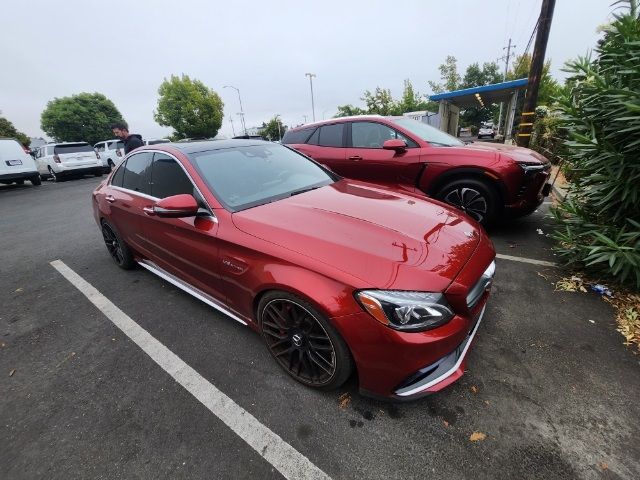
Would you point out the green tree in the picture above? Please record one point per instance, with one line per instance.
(379, 102)
(448, 75)
(82, 117)
(273, 129)
(9, 131)
(190, 107)
(549, 88)
(600, 112)
(476, 76)
(349, 111)
(412, 101)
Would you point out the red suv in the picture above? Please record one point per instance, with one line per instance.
(336, 275)
(488, 181)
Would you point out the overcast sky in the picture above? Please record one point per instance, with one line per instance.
(124, 50)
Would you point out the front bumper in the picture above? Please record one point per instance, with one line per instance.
(531, 193)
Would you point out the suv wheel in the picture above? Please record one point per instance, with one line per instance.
(303, 342)
(53, 175)
(474, 197)
(35, 180)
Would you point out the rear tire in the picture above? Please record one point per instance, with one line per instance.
(56, 178)
(119, 251)
(36, 181)
(475, 197)
(303, 342)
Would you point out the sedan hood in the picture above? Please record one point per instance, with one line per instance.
(387, 240)
(519, 154)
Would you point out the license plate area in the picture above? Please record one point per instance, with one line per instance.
(13, 163)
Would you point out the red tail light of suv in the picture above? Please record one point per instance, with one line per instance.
(487, 181)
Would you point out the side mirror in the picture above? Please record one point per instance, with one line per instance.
(176, 206)
(396, 144)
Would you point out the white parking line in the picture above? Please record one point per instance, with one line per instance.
(286, 459)
(526, 260)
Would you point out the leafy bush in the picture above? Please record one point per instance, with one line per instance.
(547, 136)
(600, 113)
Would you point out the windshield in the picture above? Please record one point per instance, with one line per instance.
(245, 177)
(428, 133)
(72, 148)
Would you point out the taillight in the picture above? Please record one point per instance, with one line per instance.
(119, 153)
(56, 158)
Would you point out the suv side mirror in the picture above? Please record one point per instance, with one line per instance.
(176, 206)
(395, 144)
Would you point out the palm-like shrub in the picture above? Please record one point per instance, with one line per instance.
(600, 111)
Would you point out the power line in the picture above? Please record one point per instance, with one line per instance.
(526, 50)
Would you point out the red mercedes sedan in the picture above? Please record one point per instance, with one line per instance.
(488, 181)
(336, 275)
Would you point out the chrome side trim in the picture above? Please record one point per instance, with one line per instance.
(182, 285)
(423, 386)
(133, 192)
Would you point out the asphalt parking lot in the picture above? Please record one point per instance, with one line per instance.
(549, 383)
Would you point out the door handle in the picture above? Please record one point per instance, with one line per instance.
(110, 198)
(149, 211)
(355, 157)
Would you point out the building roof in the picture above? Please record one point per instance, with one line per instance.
(486, 94)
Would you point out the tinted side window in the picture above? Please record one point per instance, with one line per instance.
(331, 135)
(136, 173)
(373, 135)
(313, 140)
(118, 176)
(298, 136)
(168, 178)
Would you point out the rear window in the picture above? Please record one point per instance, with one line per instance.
(297, 136)
(10, 148)
(72, 148)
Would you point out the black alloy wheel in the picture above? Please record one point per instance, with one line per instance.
(474, 197)
(53, 175)
(468, 200)
(116, 248)
(303, 342)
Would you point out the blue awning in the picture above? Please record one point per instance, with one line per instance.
(495, 93)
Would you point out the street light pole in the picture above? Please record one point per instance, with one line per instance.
(279, 132)
(232, 127)
(313, 108)
(244, 127)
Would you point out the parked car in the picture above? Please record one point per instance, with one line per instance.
(486, 131)
(16, 165)
(487, 181)
(58, 160)
(336, 275)
(156, 141)
(111, 153)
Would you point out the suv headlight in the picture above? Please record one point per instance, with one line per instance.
(531, 167)
(406, 311)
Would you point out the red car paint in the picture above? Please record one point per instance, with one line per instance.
(323, 245)
(425, 168)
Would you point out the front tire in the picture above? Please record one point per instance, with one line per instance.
(303, 342)
(119, 251)
(474, 197)
(36, 181)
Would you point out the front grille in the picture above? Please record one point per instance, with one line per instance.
(482, 285)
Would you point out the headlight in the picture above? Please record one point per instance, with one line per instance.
(406, 311)
(532, 167)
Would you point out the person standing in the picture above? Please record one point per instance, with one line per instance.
(131, 140)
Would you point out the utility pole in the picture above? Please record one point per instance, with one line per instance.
(244, 127)
(535, 72)
(313, 108)
(504, 77)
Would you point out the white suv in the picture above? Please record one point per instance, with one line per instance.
(16, 165)
(57, 160)
(111, 152)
